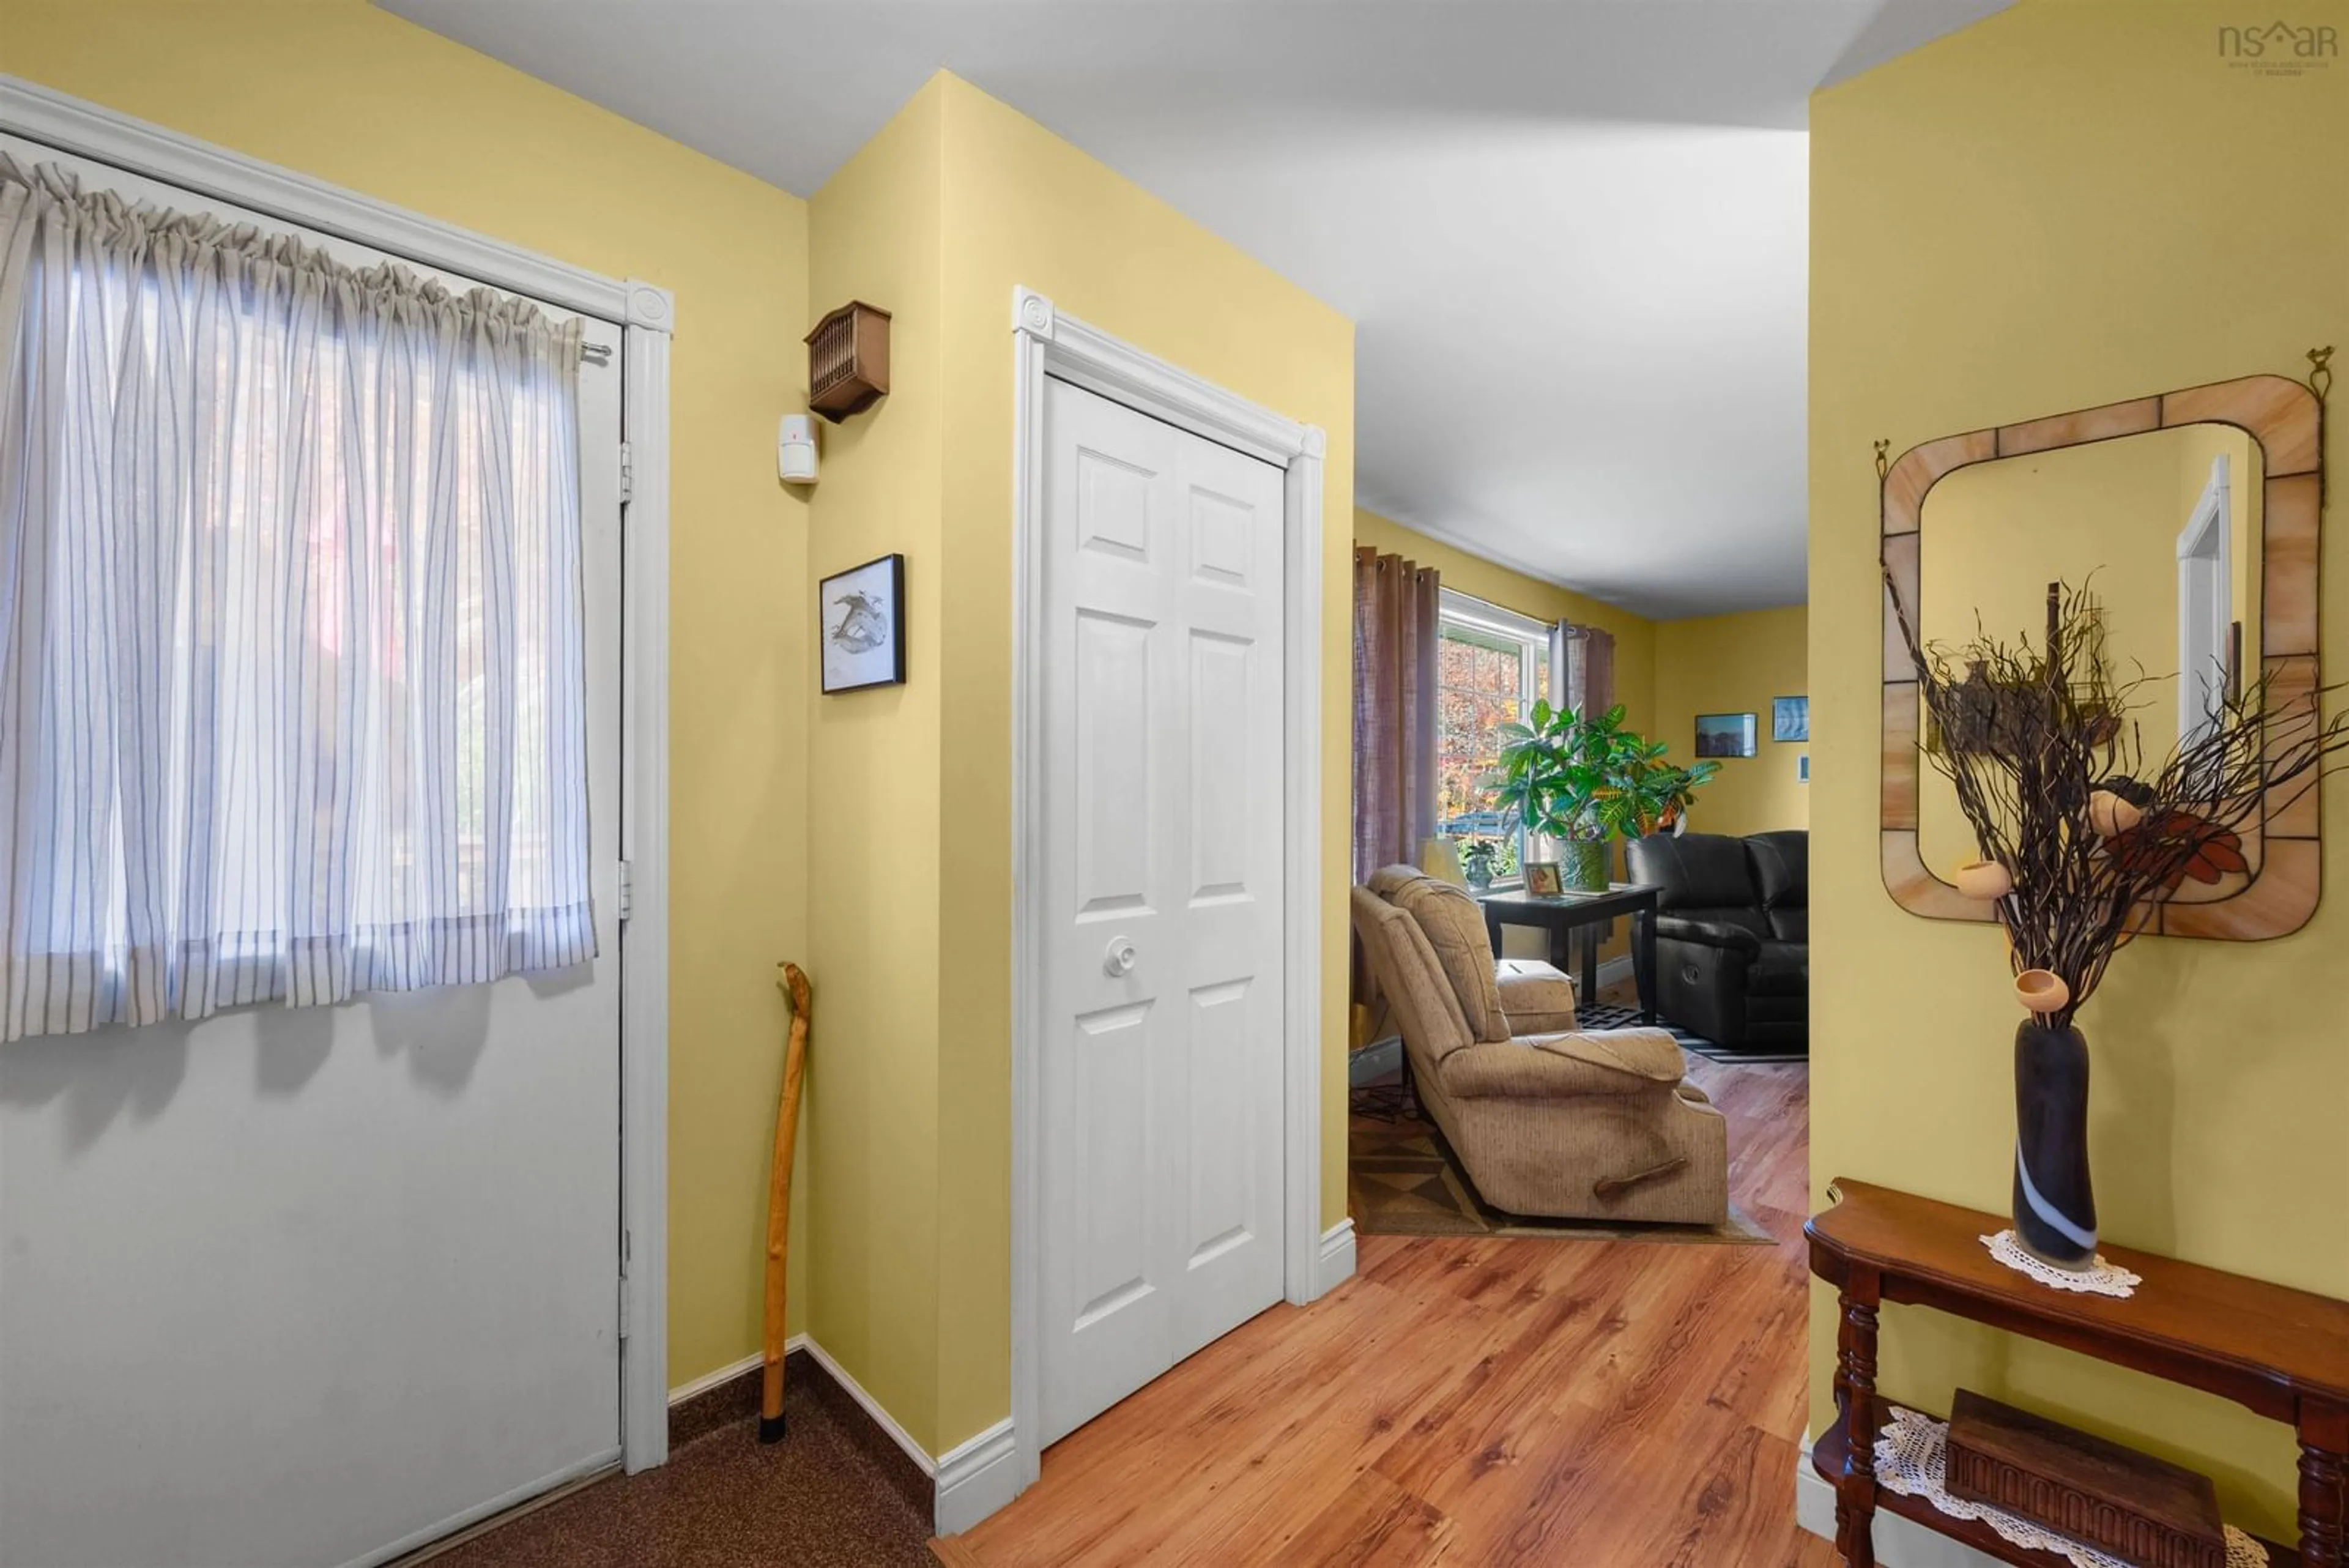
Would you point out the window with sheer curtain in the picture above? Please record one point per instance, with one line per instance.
(292, 653)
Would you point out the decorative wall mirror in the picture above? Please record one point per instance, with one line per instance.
(2193, 518)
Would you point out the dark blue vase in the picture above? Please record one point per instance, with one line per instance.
(2055, 1208)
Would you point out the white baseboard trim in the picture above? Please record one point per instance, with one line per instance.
(727, 1374)
(1333, 1264)
(1616, 970)
(974, 1479)
(871, 1406)
(1900, 1542)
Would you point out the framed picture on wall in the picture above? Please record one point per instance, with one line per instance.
(861, 616)
(1725, 734)
(1803, 773)
(1790, 718)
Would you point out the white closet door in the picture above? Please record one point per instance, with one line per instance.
(1162, 1082)
(294, 1288)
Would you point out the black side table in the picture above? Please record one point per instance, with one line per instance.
(1585, 916)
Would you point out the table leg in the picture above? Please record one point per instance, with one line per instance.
(1854, 1395)
(1643, 963)
(1590, 935)
(1493, 928)
(2323, 1438)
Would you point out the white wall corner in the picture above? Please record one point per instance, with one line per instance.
(1333, 1266)
(1315, 444)
(1900, 1542)
(977, 1477)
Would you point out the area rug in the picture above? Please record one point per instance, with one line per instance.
(1613, 1015)
(1402, 1179)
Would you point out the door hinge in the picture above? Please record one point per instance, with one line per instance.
(628, 472)
(628, 1245)
(627, 890)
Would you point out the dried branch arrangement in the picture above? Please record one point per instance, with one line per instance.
(2079, 837)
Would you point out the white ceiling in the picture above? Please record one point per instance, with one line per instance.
(1573, 235)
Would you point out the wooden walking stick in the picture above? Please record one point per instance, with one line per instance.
(794, 983)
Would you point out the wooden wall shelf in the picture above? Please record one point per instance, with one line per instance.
(2281, 1353)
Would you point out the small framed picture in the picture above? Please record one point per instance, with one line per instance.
(1543, 880)
(1725, 734)
(1790, 718)
(860, 615)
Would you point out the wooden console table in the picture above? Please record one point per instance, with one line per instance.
(2281, 1353)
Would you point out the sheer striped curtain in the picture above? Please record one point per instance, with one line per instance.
(292, 659)
(1581, 667)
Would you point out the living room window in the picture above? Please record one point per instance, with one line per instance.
(1491, 664)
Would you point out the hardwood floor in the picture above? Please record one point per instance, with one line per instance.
(1472, 1401)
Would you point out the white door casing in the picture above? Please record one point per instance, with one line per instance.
(1051, 345)
(1161, 1058)
(2205, 604)
(329, 1302)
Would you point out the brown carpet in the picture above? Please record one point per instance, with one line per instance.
(1402, 1179)
(820, 1499)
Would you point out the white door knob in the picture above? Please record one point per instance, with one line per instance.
(1121, 957)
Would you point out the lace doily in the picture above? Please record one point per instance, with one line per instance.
(1911, 1456)
(2100, 1279)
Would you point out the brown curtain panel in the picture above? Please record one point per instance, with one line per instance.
(1395, 604)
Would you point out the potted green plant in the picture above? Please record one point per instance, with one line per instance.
(1580, 779)
(1476, 858)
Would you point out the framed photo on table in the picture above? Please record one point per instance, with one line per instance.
(1543, 879)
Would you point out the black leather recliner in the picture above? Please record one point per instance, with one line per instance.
(1732, 935)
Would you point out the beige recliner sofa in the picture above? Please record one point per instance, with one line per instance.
(1547, 1119)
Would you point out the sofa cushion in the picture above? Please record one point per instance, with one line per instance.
(1703, 877)
(1537, 998)
(1558, 1067)
(1782, 969)
(1782, 871)
(1454, 928)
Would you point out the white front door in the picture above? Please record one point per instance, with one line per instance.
(1161, 1143)
(292, 1288)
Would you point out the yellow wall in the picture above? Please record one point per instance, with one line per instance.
(2045, 212)
(1736, 664)
(957, 201)
(875, 783)
(353, 95)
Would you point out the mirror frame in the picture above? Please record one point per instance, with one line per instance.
(2287, 420)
